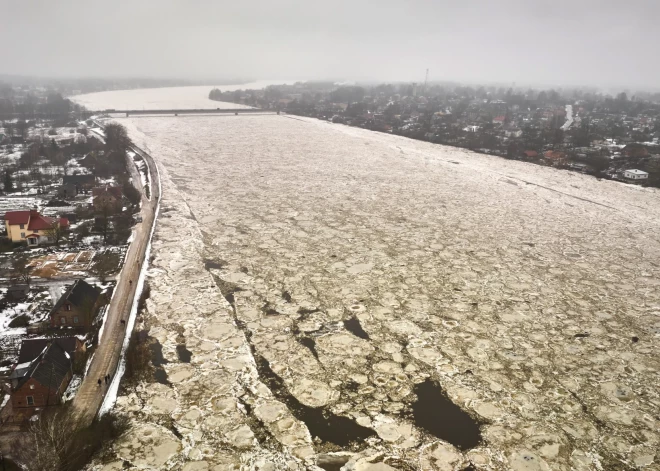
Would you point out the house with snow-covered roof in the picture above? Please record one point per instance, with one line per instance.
(635, 174)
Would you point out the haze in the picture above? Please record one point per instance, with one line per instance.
(540, 42)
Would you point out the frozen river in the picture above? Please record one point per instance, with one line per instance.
(315, 288)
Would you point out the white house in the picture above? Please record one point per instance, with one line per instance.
(634, 174)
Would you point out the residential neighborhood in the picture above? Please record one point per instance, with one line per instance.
(69, 202)
(612, 137)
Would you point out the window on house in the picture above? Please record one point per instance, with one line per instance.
(62, 320)
(22, 235)
(30, 400)
(32, 386)
(75, 319)
(67, 307)
(36, 231)
(22, 226)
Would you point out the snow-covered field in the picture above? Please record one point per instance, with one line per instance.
(361, 265)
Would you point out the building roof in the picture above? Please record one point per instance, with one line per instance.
(39, 222)
(34, 220)
(49, 368)
(77, 179)
(31, 348)
(636, 171)
(17, 217)
(77, 294)
(554, 155)
(113, 191)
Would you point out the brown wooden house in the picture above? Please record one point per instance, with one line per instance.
(77, 307)
(41, 382)
(107, 197)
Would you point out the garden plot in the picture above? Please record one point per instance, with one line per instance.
(63, 264)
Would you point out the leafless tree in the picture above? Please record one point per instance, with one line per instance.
(56, 442)
(105, 209)
(56, 232)
(21, 270)
(45, 443)
(105, 265)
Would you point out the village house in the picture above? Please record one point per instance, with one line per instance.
(77, 307)
(73, 185)
(107, 197)
(634, 174)
(41, 382)
(31, 227)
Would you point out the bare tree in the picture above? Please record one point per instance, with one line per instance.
(55, 232)
(21, 270)
(105, 209)
(105, 265)
(57, 442)
(45, 442)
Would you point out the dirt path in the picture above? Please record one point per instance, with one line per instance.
(90, 396)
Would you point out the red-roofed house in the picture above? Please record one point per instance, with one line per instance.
(31, 227)
(555, 156)
(499, 119)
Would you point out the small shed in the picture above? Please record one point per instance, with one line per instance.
(635, 174)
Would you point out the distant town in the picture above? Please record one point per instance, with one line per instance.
(613, 137)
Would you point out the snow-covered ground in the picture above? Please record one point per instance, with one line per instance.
(72, 389)
(530, 295)
(569, 118)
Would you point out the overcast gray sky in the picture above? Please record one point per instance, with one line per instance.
(577, 42)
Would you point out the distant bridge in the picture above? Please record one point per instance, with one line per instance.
(177, 112)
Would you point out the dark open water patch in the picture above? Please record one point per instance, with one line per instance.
(269, 310)
(183, 353)
(310, 343)
(322, 423)
(160, 375)
(208, 264)
(434, 412)
(353, 326)
(158, 360)
(304, 312)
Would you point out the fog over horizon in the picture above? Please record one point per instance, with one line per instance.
(559, 43)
